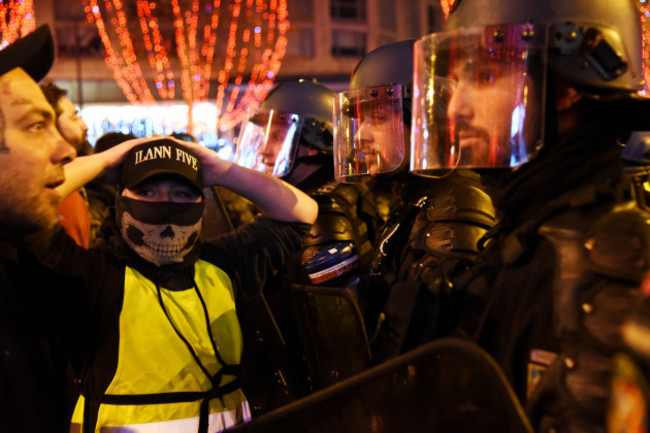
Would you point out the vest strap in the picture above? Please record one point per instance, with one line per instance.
(169, 397)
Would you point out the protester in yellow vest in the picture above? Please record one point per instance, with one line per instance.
(162, 346)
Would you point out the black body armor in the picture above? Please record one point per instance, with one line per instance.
(553, 296)
(346, 213)
(339, 245)
(601, 258)
(437, 237)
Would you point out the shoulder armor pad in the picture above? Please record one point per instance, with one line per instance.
(330, 227)
(594, 246)
(619, 243)
(462, 200)
(615, 241)
(336, 197)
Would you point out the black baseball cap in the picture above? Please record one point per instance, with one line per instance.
(34, 53)
(163, 156)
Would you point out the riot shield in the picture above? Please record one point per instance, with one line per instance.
(332, 333)
(448, 385)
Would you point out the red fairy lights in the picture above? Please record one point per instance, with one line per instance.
(16, 20)
(644, 9)
(237, 45)
(446, 6)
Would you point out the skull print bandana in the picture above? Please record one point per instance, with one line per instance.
(162, 233)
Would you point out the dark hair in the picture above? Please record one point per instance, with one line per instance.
(111, 139)
(53, 93)
(184, 136)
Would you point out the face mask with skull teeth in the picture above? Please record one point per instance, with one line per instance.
(157, 241)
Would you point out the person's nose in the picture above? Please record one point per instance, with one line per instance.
(267, 148)
(363, 137)
(63, 151)
(168, 232)
(461, 102)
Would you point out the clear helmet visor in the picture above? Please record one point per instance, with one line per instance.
(478, 98)
(268, 141)
(368, 132)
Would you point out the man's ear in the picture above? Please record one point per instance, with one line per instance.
(566, 97)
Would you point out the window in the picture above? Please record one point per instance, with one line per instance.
(67, 10)
(412, 17)
(348, 43)
(387, 14)
(386, 39)
(74, 40)
(300, 43)
(301, 10)
(349, 9)
(431, 19)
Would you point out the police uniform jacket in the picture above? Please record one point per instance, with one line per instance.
(558, 277)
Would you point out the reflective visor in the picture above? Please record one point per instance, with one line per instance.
(368, 131)
(268, 142)
(478, 98)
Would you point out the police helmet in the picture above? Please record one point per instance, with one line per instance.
(596, 44)
(387, 64)
(293, 114)
(481, 86)
(369, 118)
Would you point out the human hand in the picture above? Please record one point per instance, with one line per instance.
(214, 167)
(111, 159)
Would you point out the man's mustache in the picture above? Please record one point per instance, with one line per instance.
(470, 154)
(463, 129)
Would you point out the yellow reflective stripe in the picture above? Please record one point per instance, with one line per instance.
(218, 422)
(152, 359)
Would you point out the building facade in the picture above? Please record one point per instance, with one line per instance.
(325, 40)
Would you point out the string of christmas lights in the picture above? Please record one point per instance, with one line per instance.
(644, 8)
(239, 44)
(16, 20)
(446, 6)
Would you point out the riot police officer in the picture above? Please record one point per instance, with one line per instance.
(290, 136)
(547, 90)
(433, 225)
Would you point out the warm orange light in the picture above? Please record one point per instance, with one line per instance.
(16, 20)
(644, 9)
(251, 44)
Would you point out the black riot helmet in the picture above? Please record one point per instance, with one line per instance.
(484, 95)
(369, 118)
(596, 45)
(388, 64)
(293, 120)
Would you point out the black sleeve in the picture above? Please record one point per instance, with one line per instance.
(99, 272)
(56, 250)
(254, 252)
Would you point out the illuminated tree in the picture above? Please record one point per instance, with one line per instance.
(228, 51)
(16, 20)
(446, 6)
(644, 9)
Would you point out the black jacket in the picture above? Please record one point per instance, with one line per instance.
(36, 337)
(548, 294)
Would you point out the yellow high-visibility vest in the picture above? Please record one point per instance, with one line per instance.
(155, 366)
